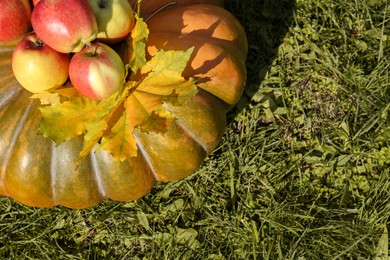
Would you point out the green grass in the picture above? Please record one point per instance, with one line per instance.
(302, 171)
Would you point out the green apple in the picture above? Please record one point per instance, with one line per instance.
(37, 67)
(115, 19)
(97, 71)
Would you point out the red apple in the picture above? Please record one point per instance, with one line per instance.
(37, 67)
(65, 25)
(15, 16)
(97, 71)
(35, 2)
(115, 19)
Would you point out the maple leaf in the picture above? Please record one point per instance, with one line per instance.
(120, 141)
(135, 45)
(56, 96)
(47, 98)
(144, 105)
(80, 115)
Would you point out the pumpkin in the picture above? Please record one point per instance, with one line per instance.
(36, 172)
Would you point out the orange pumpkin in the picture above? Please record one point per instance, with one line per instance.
(37, 173)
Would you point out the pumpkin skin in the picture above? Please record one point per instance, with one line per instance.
(36, 172)
(149, 7)
(220, 46)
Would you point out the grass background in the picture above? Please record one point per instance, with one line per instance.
(302, 171)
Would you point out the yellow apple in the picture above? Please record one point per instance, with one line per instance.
(37, 67)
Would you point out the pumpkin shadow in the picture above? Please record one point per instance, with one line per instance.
(266, 23)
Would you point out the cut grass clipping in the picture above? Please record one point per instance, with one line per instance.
(302, 171)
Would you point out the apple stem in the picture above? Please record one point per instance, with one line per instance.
(38, 43)
(89, 45)
(102, 4)
(93, 52)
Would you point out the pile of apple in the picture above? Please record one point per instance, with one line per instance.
(71, 39)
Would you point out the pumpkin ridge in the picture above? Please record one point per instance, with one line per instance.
(53, 172)
(128, 180)
(146, 157)
(97, 173)
(192, 135)
(161, 152)
(206, 129)
(10, 94)
(9, 80)
(14, 138)
(8, 91)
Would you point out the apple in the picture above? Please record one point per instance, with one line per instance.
(35, 2)
(115, 19)
(97, 71)
(65, 25)
(37, 67)
(15, 16)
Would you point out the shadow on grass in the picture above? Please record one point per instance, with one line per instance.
(266, 23)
